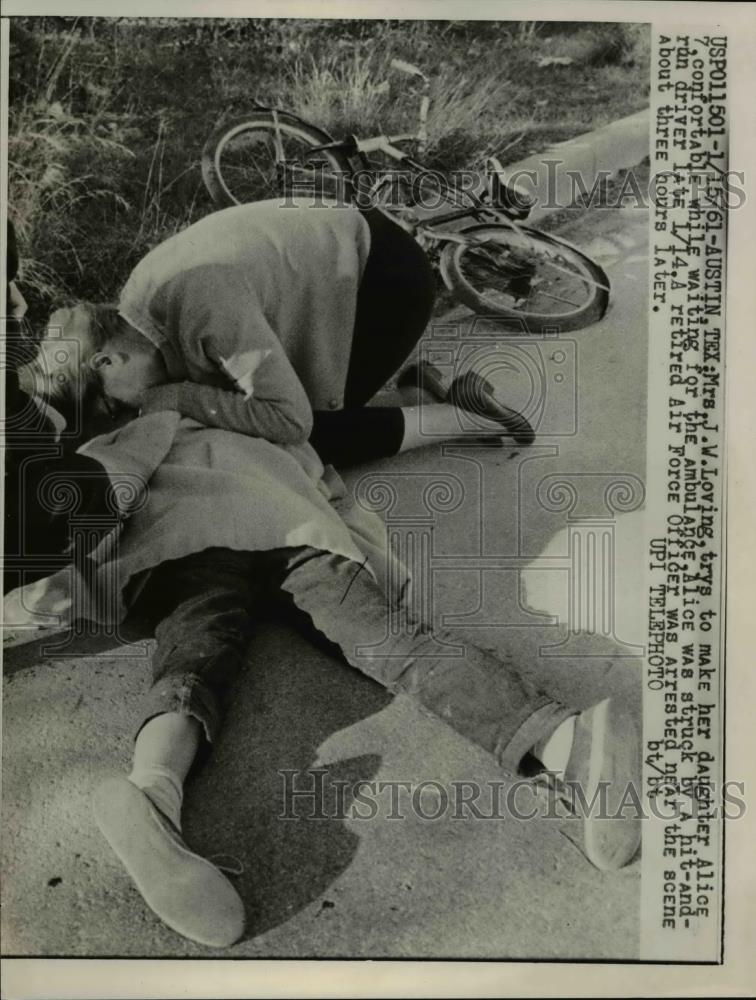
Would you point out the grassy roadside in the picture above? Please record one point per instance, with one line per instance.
(108, 115)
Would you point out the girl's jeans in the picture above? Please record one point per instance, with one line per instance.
(207, 602)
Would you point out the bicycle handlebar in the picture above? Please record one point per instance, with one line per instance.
(382, 142)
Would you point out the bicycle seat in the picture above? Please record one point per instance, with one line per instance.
(509, 197)
(347, 145)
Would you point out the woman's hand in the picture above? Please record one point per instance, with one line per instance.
(160, 397)
(241, 368)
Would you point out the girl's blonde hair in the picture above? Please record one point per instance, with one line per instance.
(82, 381)
(79, 398)
(105, 322)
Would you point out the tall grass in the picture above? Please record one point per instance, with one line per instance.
(91, 178)
(108, 116)
(55, 162)
(340, 89)
(363, 93)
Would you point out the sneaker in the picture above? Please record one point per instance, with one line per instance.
(188, 893)
(601, 786)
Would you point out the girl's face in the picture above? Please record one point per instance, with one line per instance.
(127, 366)
(60, 354)
(127, 369)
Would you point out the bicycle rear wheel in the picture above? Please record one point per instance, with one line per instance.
(535, 280)
(240, 162)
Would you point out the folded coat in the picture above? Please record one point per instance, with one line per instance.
(180, 487)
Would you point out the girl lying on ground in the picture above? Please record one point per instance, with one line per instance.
(219, 521)
(35, 530)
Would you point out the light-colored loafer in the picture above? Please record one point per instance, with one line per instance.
(605, 763)
(188, 893)
(600, 793)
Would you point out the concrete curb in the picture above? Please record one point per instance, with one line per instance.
(621, 144)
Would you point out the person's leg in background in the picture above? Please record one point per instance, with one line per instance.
(205, 603)
(36, 531)
(394, 305)
(483, 697)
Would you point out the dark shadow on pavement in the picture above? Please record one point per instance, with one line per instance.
(294, 695)
(291, 698)
(85, 639)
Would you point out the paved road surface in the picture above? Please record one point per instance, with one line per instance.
(343, 886)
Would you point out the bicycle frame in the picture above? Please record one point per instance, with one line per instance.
(351, 147)
(472, 206)
(475, 206)
(355, 149)
(346, 170)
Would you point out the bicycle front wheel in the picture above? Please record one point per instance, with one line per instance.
(241, 161)
(537, 281)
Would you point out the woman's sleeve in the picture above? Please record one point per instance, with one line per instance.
(220, 328)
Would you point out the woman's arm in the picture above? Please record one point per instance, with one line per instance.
(220, 328)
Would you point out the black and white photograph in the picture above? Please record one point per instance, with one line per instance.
(365, 479)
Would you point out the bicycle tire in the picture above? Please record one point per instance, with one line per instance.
(226, 192)
(483, 303)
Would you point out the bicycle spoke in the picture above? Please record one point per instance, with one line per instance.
(574, 274)
(556, 298)
(263, 176)
(520, 276)
(550, 258)
(493, 269)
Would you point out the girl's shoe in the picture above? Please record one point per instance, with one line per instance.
(601, 788)
(188, 893)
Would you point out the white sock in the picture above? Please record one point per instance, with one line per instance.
(555, 752)
(162, 786)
